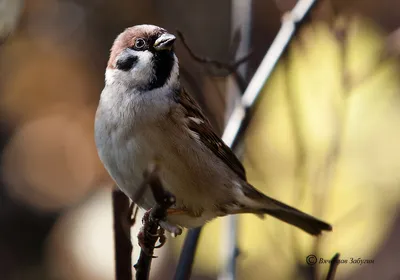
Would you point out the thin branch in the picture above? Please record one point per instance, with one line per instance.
(292, 22)
(124, 216)
(186, 259)
(150, 229)
(122, 241)
(231, 68)
(238, 122)
(333, 267)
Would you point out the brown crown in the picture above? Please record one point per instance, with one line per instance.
(127, 39)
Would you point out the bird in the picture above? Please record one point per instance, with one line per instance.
(146, 116)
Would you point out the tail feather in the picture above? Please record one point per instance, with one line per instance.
(299, 219)
(288, 214)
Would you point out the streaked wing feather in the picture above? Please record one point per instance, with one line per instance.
(210, 139)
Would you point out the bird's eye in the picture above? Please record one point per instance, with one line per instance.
(140, 43)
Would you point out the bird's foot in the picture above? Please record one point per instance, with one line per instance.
(144, 235)
(142, 241)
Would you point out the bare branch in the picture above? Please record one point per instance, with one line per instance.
(123, 246)
(124, 218)
(333, 267)
(150, 229)
(185, 263)
(231, 68)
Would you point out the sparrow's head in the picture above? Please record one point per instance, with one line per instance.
(142, 58)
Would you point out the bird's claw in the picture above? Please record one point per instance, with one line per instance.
(142, 235)
(142, 243)
(161, 238)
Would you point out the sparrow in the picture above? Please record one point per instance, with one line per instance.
(145, 116)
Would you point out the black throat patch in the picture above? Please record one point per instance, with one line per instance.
(163, 61)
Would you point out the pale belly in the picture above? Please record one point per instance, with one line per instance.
(188, 170)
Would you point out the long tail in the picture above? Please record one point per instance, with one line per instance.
(286, 213)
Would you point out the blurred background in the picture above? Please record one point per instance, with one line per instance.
(324, 136)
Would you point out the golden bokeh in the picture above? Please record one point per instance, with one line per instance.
(323, 138)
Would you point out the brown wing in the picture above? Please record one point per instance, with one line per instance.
(199, 124)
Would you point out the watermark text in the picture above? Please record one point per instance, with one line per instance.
(313, 260)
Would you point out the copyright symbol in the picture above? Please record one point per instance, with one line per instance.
(311, 259)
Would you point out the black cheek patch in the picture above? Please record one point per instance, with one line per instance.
(126, 61)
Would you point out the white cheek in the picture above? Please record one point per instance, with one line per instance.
(141, 74)
(143, 70)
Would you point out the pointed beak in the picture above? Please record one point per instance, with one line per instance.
(164, 42)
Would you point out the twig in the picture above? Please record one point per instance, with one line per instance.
(122, 241)
(185, 263)
(124, 216)
(333, 267)
(292, 21)
(205, 60)
(231, 68)
(150, 229)
(237, 123)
